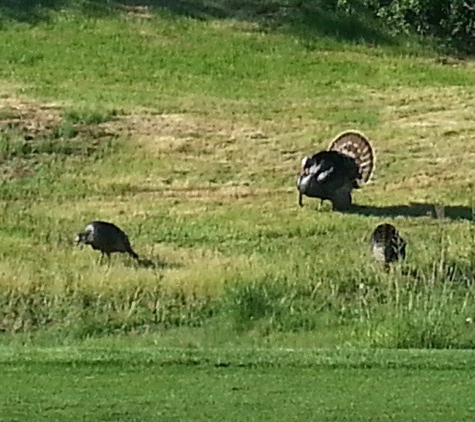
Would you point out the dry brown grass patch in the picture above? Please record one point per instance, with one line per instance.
(29, 117)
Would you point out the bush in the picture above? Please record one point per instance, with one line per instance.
(451, 21)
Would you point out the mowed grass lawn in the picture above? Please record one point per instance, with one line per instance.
(145, 384)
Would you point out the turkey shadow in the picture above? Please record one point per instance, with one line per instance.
(415, 209)
(152, 264)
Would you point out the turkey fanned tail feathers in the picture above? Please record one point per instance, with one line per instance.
(387, 245)
(355, 145)
(333, 174)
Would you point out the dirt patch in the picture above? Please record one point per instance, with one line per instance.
(210, 194)
(447, 108)
(16, 169)
(30, 130)
(154, 127)
(28, 118)
(237, 148)
(42, 119)
(33, 120)
(137, 12)
(182, 138)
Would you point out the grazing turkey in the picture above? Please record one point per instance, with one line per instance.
(333, 174)
(387, 245)
(105, 237)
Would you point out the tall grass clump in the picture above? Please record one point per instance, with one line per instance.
(429, 306)
(431, 311)
(402, 309)
(274, 303)
(14, 145)
(81, 312)
(89, 116)
(405, 308)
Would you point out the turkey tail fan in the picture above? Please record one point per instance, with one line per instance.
(357, 146)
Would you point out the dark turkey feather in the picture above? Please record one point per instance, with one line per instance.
(333, 174)
(106, 237)
(387, 245)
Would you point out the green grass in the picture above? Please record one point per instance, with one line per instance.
(188, 134)
(186, 128)
(174, 384)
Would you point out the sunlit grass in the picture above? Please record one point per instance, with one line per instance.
(188, 134)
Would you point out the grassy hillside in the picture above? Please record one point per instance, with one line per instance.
(188, 133)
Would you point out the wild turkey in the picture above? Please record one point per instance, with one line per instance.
(387, 245)
(333, 174)
(107, 238)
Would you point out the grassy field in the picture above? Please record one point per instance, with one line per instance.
(144, 384)
(185, 125)
(188, 133)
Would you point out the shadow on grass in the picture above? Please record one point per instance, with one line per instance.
(153, 263)
(29, 11)
(455, 212)
(308, 20)
(35, 12)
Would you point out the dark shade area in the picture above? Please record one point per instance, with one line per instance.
(452, 212)
(154, 263)
(308, 20)
(29, 11)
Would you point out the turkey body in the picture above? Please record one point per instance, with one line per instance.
(333, 174)
(329, 175)
(107, 238)
(387, 245)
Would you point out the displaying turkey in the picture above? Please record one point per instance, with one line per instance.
(333, 174)
(387, 245)
(107, 238)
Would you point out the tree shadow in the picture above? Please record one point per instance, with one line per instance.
(29, 11)
(308, 20)
(414, 209)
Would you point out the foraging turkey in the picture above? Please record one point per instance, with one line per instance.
(107, 238)
(333, 174)
(387, 245)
